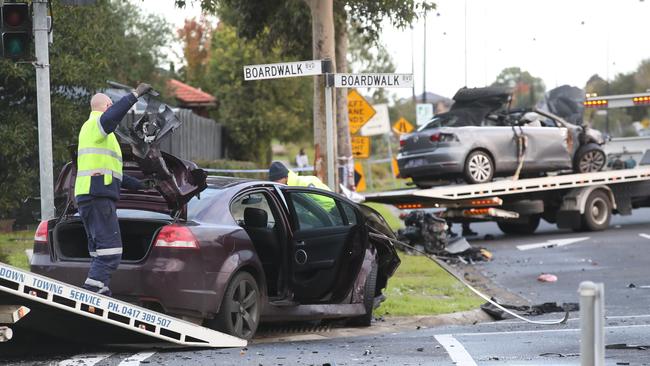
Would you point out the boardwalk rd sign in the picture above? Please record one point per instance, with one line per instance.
(283, 70)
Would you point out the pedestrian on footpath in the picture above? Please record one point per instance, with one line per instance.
(98, 182)
(302, 161)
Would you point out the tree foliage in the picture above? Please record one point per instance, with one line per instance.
(195, 36)
(254, 112)
(527, 89)
(109, 40)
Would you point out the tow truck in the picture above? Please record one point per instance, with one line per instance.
(580, 202)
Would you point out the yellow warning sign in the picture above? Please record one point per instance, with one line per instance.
(361, 147)
(402, 126)
(393, 162)
(359, 111)
(358, 171)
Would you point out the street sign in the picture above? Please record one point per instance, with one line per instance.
(358, 172)
(423, 113)
(283, 70)
(393, 163)
(359, 111)
(402, 126)
(379, 124)
(360, 147)
(373, 80)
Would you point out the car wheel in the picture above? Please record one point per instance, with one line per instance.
(368, 299)
(598, 212)
(240, 308)
(520, 228)
(589, 158)
(479, 167)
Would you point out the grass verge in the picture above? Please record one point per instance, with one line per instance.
(13, 245)
(421, 287)
(391, 218)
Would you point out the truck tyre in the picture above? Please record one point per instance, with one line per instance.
(368, 299)
(239, 314)
(598, 211)
(520, 228)
(589, 158)
(479, 167)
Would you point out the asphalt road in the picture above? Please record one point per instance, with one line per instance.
(617, 257)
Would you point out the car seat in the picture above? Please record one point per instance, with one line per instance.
(265, 241)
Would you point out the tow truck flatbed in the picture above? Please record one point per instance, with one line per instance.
(66, 311)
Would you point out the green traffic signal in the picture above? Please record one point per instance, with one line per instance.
(15, 45)
(16, 30)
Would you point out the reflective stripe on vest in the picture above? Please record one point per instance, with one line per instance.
(98, 153)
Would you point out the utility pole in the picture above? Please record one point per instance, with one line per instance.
(424, 62)
(42, 65)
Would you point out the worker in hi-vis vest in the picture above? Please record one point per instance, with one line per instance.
(98, 182)
(281, 174)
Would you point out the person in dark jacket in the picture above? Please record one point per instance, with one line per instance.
(97, 185)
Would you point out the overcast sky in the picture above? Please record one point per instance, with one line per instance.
(561, 41)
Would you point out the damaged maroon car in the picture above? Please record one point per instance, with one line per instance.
(227, 252)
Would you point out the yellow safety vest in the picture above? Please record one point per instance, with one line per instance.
(294, 179)
(98, 153)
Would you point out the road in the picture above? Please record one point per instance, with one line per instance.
(616, 257)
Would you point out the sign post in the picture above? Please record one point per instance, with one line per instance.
(329, 126)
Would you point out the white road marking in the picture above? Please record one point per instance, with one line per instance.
(88, 359)
(552, 243)
(134, 360)
(456, 351)
(564, 330)
(644, 236)
(608, 317)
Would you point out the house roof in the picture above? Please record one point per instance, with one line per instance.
(189, 95)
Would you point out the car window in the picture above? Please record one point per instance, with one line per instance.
(350, 213)
(255, 200)
(443, 120)
(203, 201)
(314, 210)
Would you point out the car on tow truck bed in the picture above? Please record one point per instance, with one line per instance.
(228, 252)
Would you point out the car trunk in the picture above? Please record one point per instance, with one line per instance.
(138, 235)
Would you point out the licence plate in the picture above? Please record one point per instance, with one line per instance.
(415, 163)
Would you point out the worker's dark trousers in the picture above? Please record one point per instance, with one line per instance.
(104, 242)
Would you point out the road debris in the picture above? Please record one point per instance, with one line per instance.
(547, 277)
(539, 309)
(631, 285)
(557, 354)
(627, 346)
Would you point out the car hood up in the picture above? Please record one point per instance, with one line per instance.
(472, 105)
(177, 180)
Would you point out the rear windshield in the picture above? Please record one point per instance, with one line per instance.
(198, 204)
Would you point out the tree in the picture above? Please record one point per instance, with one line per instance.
(527, 89)
(253, 113)
(287, 22)
(195, 36)
(118, 44)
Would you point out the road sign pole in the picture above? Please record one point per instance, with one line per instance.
(42, 65)
(329, 125)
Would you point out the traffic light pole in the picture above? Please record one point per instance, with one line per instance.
(42, 65)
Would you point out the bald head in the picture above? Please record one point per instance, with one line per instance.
(100, 102)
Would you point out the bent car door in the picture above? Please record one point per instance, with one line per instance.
(548, 145)
(326, 248)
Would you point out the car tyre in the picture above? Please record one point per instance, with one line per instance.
(598, 212)
(240, 308)
(479, 167)
(520, 228)
(368, 299)
(589, 158)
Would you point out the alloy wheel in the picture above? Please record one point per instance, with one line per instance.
(244, 309)
(480, 167)
(592, 161)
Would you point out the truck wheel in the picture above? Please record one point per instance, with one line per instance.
(598, 211)
(520, 228)
(240, 308)
(589, 158)
(479, 167)
(368, 299)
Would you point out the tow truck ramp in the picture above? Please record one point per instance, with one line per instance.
(62, 310)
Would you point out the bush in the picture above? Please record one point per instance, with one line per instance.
(232, 164)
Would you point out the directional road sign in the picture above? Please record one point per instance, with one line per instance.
(361, 147)
(359, 111)
(283, 70)
(358, 172)
(373, 80)
(379, 124)
(402, 126)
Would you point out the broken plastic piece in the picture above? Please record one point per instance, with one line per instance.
(457, 246)
(547, 277)
(486, 253)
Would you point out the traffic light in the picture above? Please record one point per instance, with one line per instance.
(16, 31)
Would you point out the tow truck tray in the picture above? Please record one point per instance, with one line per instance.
(67, 311)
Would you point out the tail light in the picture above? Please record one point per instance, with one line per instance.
(41, 233)
(176, 236)
(435, 137)
(402, 141)
(443, 137)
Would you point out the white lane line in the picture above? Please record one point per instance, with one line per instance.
(552, 243)
(608, 317)
(644, 236)
(548, 330)
(134, 360)
(88, 359)
(456, 351)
